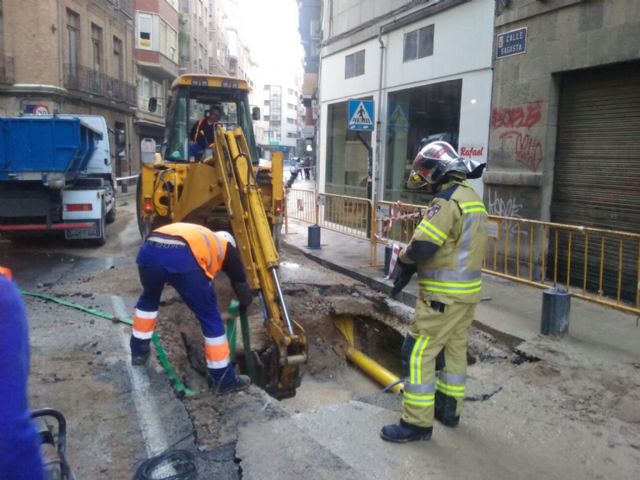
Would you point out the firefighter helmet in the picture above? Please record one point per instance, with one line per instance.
(436, 161)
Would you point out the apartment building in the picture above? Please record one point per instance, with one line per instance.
(156, 56)
(72, 56)
(426, 64)
(280, 111)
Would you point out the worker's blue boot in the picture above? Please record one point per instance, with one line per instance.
(140, 351)
(239, 383)
(225, 380)
(404, 432)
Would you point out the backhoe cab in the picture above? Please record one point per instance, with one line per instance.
(224, 187)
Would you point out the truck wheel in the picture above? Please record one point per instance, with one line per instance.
(111, 216)
(102, 239)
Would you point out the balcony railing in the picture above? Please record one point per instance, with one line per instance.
(6, 70)
(84, 79)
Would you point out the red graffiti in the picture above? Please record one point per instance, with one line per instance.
(520, 116)
(528, 149)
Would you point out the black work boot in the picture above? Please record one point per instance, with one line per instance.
(140, 359)
(404, 432)
(241, 382)
(445, 410)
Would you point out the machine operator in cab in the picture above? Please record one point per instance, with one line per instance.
(202, 133)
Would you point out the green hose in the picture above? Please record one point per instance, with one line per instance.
(162, 356)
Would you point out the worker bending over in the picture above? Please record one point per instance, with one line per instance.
(446, 251)
(188, 257)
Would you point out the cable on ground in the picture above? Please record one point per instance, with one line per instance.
(162, 356)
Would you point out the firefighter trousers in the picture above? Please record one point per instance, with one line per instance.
(432, 331)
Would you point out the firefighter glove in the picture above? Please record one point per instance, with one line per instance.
(401, 276)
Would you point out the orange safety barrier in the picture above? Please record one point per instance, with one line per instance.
(597, 265)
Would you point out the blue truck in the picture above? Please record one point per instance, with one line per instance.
(56, 175)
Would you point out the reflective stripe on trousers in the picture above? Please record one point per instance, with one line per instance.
(450, 384)
(217, 351)
(415, 392)
(144, 323)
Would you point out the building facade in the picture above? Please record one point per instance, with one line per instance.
(280, 112)
(565, 127)
(310, 28)
(82, 63)
(156, 55)
(427, 67)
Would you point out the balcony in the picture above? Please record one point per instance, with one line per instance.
(87, 80)
(6, 70)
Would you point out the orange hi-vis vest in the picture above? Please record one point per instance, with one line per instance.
(207, 248)
(5, 272)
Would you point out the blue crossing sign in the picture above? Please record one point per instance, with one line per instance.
(361, 115)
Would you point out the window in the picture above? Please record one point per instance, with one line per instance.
(354, 64)
(118, 61)
(73, 39)
(418, 44)
(266, 103)
(290, 91)
(145, 26)
(291, 121)
(266, 118)
(146, 89)
(96, 42)
(291, 106)
(431, 112)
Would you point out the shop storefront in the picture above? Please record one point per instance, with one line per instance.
(347, 157)
(416, 116)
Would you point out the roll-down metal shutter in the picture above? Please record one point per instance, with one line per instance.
(597, 166)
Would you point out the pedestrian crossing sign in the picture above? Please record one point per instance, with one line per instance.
(361, 115)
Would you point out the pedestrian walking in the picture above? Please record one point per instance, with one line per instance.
(19, 441)
(446, 251)
(307, 167)
(188, 257)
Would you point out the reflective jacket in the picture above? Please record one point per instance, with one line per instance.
(208, 248)
(456, 222)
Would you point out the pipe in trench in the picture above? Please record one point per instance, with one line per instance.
(373, 369)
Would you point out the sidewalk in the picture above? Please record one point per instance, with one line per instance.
(512, 311)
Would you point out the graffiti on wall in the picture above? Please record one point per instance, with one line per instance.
(501, 207)
(528, 148)
(520, 116)
(519, 120)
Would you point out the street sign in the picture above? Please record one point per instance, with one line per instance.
(361, 115)
(399, 118)
(511, 43)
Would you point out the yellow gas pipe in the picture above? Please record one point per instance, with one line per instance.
(366, 364)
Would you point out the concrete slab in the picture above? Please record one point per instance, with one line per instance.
(280, 449)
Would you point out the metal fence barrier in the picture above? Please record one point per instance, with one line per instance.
(597, 265)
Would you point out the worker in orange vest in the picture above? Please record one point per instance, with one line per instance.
(188, 257)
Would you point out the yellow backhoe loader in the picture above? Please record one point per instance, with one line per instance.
(223, 186)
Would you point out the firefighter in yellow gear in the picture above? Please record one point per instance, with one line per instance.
(446, 252)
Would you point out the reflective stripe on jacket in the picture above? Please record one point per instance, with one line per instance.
(457, 223)
(208, 248)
